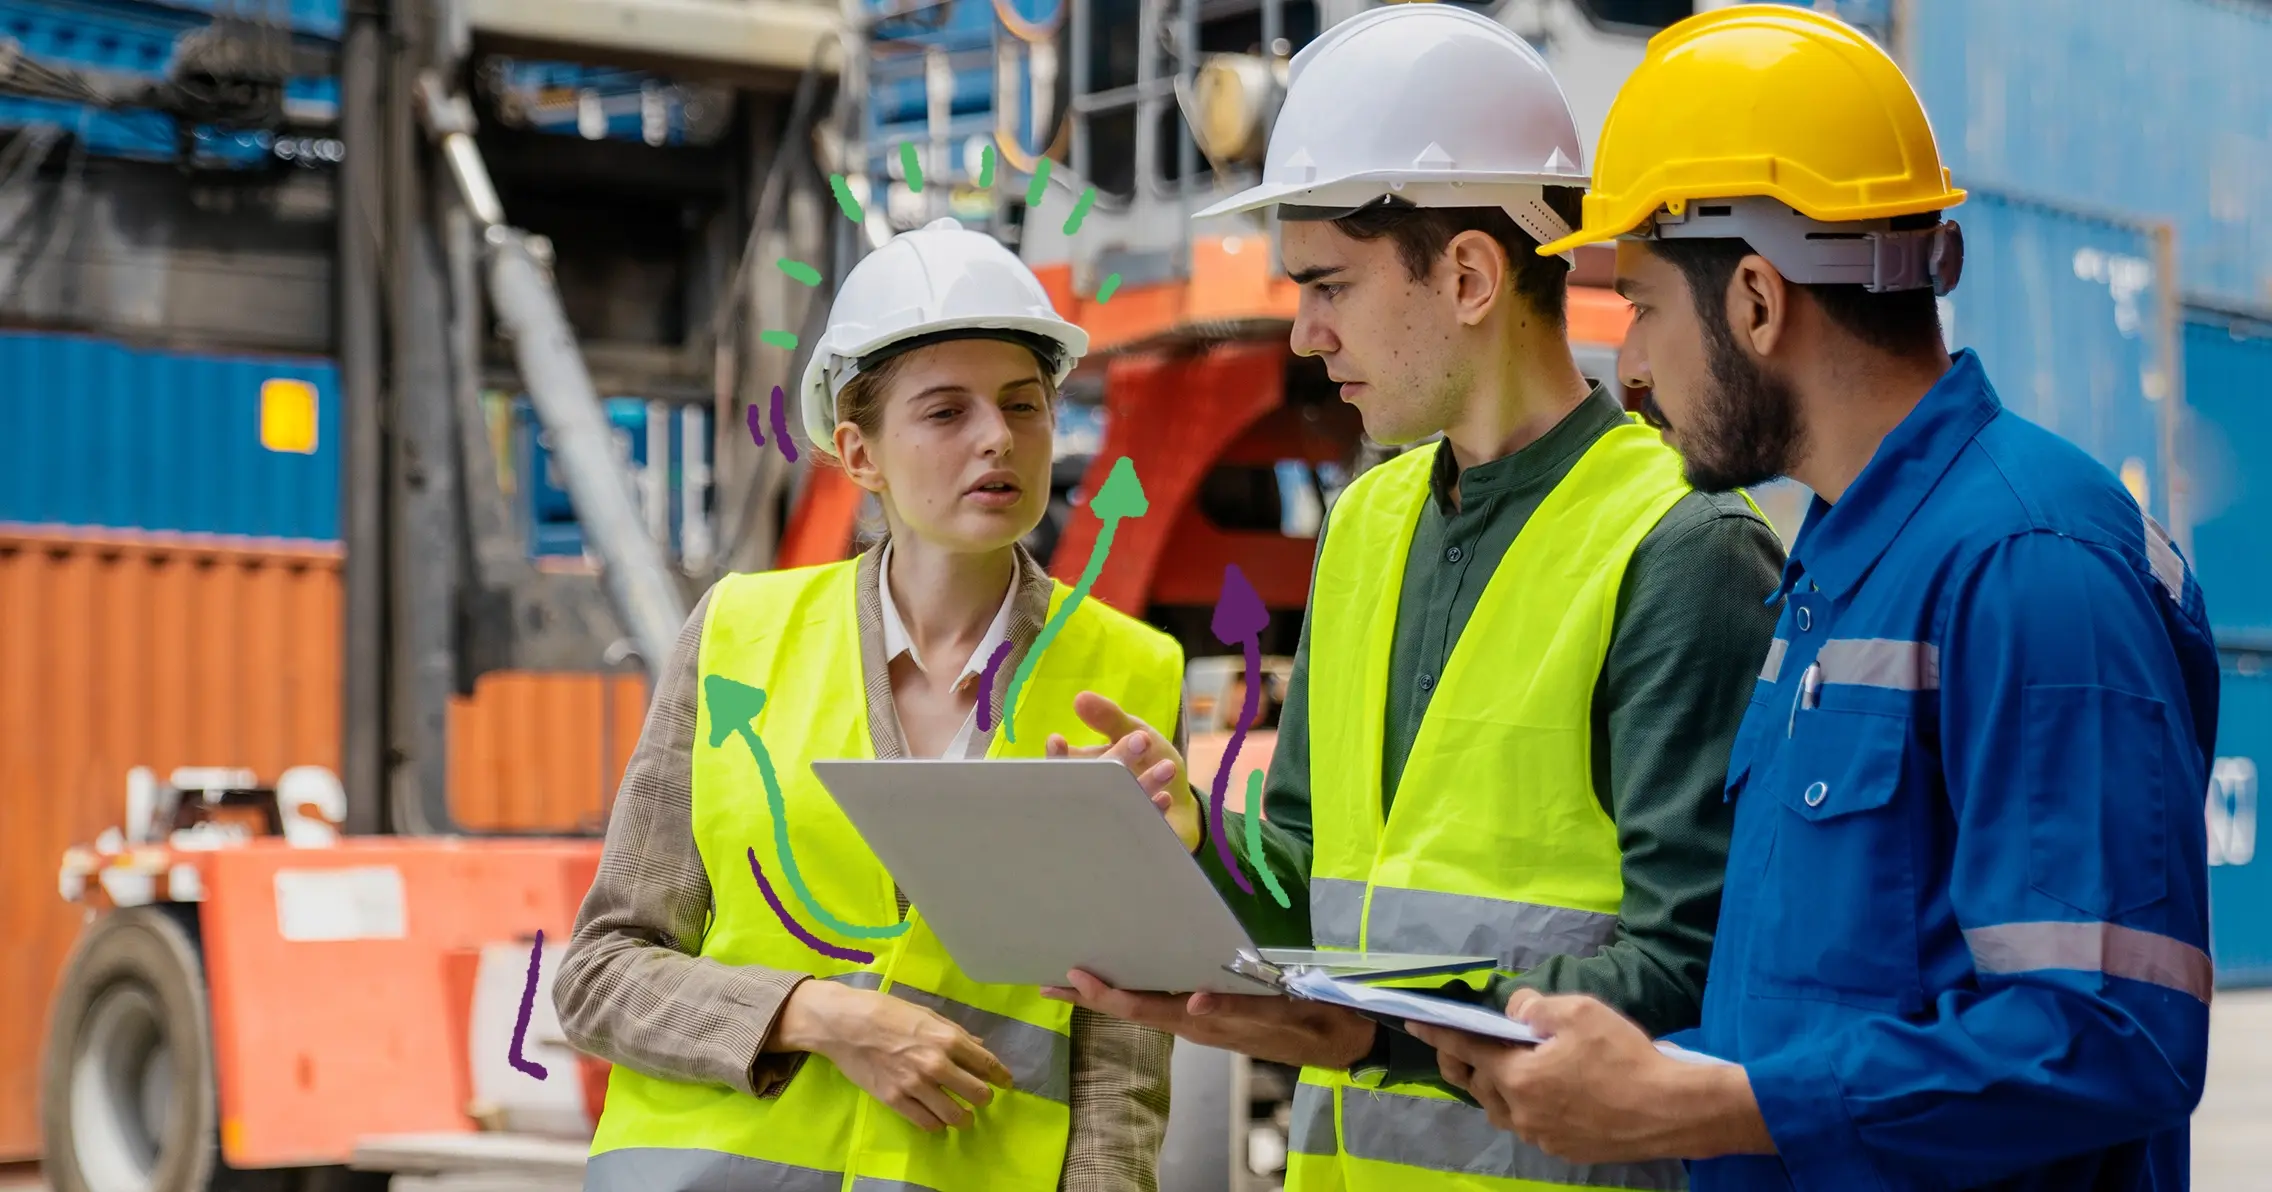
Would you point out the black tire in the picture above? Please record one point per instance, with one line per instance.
(113, 1116)
(126, 1090)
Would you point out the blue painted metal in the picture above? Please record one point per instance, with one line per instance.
(988, 46)
(2240, 874)
(2163, 110)
(100, 434)
(2067, 312)
(315, 18)
(551, 95)
(139, 40)
(2228, 463)
(548, 515)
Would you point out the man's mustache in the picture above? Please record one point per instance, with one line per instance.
(1651, 412)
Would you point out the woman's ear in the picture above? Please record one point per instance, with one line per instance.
(858, 458)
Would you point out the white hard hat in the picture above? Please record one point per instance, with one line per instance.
(1433, 105)
(933, 282)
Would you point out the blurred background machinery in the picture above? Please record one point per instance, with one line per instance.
(376, 376)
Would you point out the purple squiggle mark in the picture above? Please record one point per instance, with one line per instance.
(986, 687)
(757, 423)
(797, 929)
(781, 437)
(521, 1024)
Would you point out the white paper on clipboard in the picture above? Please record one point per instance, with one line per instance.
(1406, 1005)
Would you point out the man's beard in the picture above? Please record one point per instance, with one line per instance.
(1746, 427)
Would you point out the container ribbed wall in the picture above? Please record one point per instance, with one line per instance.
(118, 652)
(100, 433)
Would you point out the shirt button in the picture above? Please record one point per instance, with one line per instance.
(1427, 683)
(1806, 619)
(1454, 555)
(1817, 793)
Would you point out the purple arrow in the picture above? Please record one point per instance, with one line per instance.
(1240, 618)
(528, 1006)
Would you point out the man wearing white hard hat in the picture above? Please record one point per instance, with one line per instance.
(1529, 644)
(777, 1029)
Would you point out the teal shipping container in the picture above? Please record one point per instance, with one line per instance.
(96, 433)
(2160, 109)
(2075, 318)
(2228, 454)
(2240, 876)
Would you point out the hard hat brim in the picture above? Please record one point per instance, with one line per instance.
(1421, 190)
(817, 405)
(1636, 215)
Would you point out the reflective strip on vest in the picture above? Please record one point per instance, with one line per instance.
(1773, 669)
(2168, 566)
(1452, 1137)
(1881, 662)
(1312, 1130)
(1429, 922)
(2009, 949)
(671, 1169)
(1040, 1061)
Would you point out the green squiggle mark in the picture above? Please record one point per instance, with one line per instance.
(1122, 495)
(1254, 855)
(844, 200)
(804, 273)
(732, 706)
(1105, 291)
(986, 168)
(1040, 184)
(1080, 210)
(784, 340)
(914, 166)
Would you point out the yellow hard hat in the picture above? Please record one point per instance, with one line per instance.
(1763, 101)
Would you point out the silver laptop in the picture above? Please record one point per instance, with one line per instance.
(1029, 868)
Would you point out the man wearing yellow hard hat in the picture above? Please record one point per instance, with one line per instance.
(1962, 943)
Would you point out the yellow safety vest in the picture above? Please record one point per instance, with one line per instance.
(1495, 844)
(795, 635)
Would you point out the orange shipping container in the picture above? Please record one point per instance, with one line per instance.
(119, 651)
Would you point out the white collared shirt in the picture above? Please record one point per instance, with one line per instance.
(968, 742)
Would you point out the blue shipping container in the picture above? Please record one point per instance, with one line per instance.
(2069, 315)
(2161, 109)
(2228, 471)
(99, 434)
(2240, 878)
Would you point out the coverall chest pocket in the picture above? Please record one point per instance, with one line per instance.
(1839, 900)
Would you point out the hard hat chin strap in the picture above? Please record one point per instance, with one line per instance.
(1869, 253)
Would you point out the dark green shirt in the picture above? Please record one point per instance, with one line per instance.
(1693, 624)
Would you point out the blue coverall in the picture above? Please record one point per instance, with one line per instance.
(1964, 937)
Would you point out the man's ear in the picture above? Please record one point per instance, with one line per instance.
(1759, 305)
(1479, 273)
(859, 460)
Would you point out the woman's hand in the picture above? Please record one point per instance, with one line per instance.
(1148, 755)
(904, 1055)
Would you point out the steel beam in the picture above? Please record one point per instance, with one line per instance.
(363, 471)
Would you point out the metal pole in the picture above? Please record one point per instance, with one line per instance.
(1077, 44)
(363, 474)
(632, 567)
(1148, 105)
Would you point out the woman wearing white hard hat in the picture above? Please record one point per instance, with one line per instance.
(778, 1028)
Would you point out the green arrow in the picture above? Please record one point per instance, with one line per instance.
(1122, 496)
(732, 707)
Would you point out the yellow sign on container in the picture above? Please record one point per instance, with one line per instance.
(288, 416)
